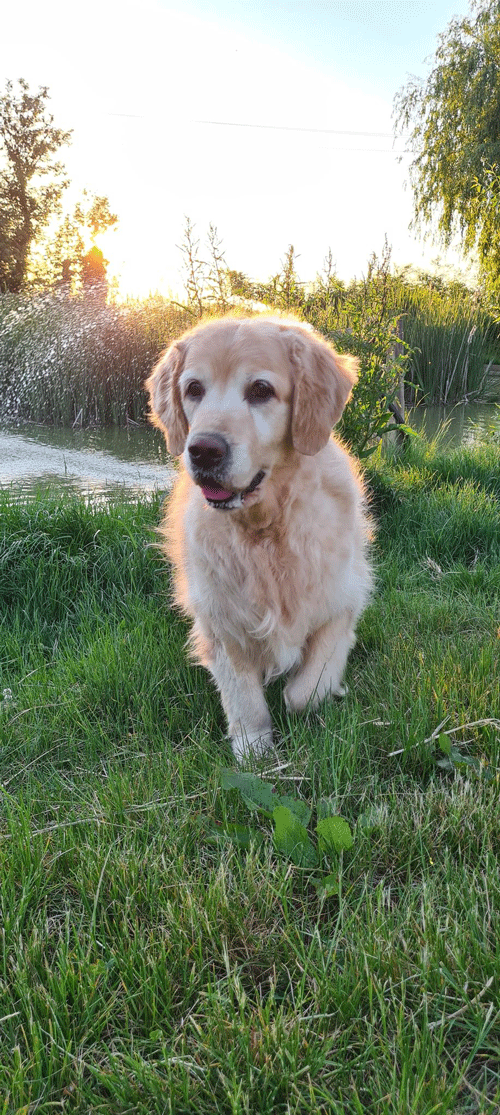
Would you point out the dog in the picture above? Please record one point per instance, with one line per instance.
(266, 527)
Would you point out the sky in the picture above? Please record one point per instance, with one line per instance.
(270, 119)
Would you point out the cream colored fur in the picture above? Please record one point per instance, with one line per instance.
(276, 584)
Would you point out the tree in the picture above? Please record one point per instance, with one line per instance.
(94, 279)
(31, 181)
(64, 258)
(454, 123)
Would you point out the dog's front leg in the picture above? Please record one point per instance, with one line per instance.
(322, 669)
(242, 696)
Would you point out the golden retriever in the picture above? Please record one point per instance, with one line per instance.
(265, 528)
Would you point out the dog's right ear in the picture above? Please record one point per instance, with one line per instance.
(165, 398)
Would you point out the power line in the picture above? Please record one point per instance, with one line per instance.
(369, 150)
(268, 127)
(291, 128)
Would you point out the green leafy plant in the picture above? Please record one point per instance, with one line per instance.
(363, 319)
(290, 817)
(456, 760)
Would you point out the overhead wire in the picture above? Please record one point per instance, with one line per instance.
(295, 128)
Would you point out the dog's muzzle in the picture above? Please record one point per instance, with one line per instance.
(209, 455)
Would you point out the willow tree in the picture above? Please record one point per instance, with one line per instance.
(453, 121)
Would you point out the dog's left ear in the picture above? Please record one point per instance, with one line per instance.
(323, 382)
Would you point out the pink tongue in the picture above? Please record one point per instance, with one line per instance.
(216, 493)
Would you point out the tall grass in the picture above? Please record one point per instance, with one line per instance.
(450, 338)
(76, 361)
(452, 341)
(147, 968)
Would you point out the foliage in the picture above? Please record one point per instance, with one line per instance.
(363, 318)
(193, 268)
(456, 760)
(62, 256)
(207, 281)
(284, 290)
(33, 253)
(290, 816)
(453, 118)
(62, 360)
(31, 183)
(217, 286)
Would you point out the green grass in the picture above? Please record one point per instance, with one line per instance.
(145, 969)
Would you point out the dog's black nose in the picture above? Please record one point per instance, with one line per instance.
(208, 451)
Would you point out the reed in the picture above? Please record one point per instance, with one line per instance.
(77, 361)
(452, 342)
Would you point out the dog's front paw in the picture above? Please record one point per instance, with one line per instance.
(252, 745)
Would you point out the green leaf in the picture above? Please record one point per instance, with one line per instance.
(384, 422)
(455, 760)
(244, 836)
(462, 761)
(327, 886)
(261, 795)
(256, 793)
(334, 834)
(300, 809)
(325, 807)
(290, 838)
(444, 743)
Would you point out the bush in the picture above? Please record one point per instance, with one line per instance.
(363, 319)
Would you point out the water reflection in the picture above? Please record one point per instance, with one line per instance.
(100, 462)
(466, 424)
(134, 461)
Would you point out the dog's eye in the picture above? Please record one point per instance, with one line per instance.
(194, 390)
(260, 391)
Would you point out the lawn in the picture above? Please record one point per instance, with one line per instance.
(148, 963)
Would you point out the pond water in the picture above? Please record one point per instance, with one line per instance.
(460, 425)
(134, 461)
(89, 462)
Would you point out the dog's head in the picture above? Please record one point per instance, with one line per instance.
(238, 396)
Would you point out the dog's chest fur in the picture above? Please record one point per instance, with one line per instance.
(261, 589)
